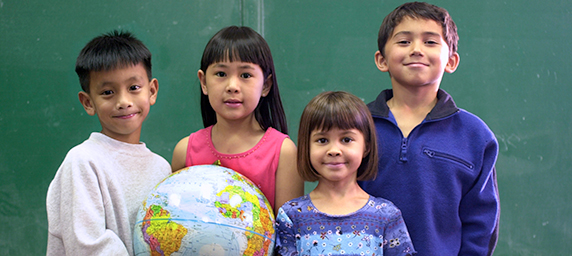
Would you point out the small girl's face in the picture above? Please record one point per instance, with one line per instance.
(234, 88)
(337, 154)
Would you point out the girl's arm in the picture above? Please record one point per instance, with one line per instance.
(180, 155)
(289, 184)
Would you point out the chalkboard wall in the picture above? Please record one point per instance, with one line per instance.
(515, 73)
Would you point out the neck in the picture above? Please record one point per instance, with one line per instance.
(421, 98)
(337, 200)
(337, 190)
(242, 126)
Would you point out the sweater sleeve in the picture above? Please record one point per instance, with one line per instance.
(480, 208)
(76, 212)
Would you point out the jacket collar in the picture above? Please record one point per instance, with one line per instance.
(445, 105)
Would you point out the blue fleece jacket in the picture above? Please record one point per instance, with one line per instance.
(442, 177)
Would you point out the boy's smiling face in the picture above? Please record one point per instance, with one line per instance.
(121, 98)
(416, 54)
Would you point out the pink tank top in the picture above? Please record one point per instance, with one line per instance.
(259, 164)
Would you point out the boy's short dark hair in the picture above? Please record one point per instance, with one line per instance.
(342, 110)
(110, 51)
(419, 10)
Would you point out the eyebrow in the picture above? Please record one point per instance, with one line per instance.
(344, 133)
(131, 79)
(426, 33)
(312, 134)
(245, 66)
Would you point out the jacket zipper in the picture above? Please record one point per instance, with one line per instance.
(403, 153)
(432, 154)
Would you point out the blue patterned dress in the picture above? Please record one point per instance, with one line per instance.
(375, 229)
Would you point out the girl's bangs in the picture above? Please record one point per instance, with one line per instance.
(235, 50)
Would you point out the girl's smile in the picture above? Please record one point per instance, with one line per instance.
(337, 154)
(233, 103)
(335, 165)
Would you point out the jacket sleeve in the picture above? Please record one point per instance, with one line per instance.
(480, 208)
(76, 213)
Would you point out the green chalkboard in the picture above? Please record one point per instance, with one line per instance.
(515, 73)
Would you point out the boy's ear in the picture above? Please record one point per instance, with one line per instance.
(203, 81)
(154, 89)
(380, 62)
(86, 102)
(267, 86)
(453, 63)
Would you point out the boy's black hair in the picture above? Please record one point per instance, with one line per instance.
(116, 49)
(419, 10)
(244, 44)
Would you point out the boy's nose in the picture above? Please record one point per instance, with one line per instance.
(124, 101)
(416, 48)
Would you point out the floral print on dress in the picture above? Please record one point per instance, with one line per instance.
(376, 229)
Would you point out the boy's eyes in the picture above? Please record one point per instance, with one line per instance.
(107, 92)
(220, 74)
(405, 42)
(131, 88)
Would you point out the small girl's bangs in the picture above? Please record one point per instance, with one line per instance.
(341, 115)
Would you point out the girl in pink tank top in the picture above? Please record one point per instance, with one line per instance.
(245, 124)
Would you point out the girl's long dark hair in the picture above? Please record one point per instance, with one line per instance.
(244, 44)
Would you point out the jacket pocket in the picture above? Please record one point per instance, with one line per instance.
(440, 155)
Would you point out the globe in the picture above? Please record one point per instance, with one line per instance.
(205, 210)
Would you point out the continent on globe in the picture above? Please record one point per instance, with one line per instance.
(235, 202)
(163, 235)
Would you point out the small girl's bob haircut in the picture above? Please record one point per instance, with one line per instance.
(246, 45)
(340, 110)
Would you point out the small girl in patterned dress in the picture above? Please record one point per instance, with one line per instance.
(337, 147)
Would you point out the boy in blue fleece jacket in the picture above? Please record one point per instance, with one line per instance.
(437, 161)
